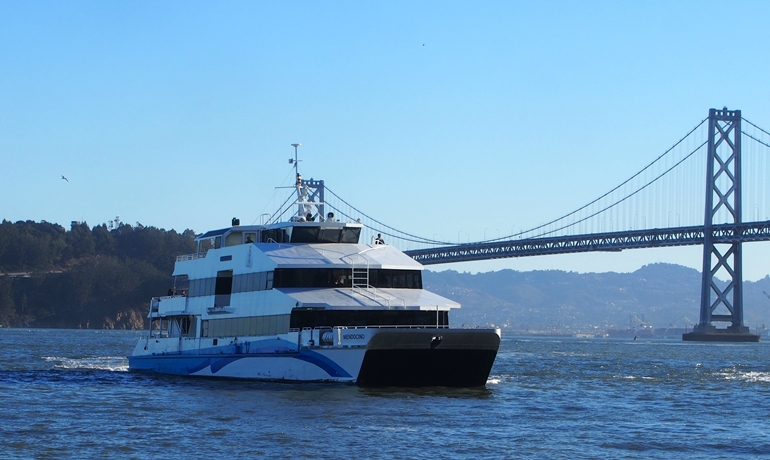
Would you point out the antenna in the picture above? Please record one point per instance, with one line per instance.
(302, 193)
(295, 161)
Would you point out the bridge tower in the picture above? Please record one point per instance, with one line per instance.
(723, 206)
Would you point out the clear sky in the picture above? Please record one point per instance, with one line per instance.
(439, 118)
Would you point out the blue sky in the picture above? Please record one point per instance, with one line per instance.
(438, 118)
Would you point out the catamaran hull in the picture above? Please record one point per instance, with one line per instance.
(398, 358)
(423, 358)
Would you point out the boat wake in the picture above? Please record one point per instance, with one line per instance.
(103, 363)
(749, 376)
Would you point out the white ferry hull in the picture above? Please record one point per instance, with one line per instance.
(306, 300)
(303, 366)
(402, 358)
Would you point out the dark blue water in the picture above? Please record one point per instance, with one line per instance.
(68, 394)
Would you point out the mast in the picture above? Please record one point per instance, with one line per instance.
(309, 205)
(298, 183)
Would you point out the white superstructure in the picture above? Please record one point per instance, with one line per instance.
(304, 300)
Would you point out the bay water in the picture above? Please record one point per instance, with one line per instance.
(69, 394)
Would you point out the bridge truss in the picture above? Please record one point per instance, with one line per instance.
(640, 212)
(722, 236)
(610, 242)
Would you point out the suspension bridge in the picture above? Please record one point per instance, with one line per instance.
(694, 193)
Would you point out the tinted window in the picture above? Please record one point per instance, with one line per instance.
(329, 235)
(350, 235)
(273, 236)
(304, 235)
(341, 277)
(315, 318)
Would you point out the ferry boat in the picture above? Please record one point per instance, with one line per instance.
(305, 300)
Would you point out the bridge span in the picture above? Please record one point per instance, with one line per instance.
(662, 205)
(605, 242)
(722, 234)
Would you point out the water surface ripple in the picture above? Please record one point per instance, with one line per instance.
(68, 394)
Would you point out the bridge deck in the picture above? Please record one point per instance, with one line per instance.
(616, 241)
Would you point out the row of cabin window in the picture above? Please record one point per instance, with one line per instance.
(303, 277)
(176, 326)
(245, 327)
(247, 282)
(311, 235)
(339, 277)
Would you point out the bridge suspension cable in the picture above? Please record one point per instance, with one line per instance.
(542, 229)
(412, 238)
(619, 201)
(755, 126)
(281, 211)
(679, 196)
(545, 225)
(754, 138)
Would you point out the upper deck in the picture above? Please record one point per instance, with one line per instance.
(309, 225)
(284, 232)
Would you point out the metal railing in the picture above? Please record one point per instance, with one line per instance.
(185, 257)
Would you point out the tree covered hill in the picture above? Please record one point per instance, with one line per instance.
(84, 277)
(104, 278)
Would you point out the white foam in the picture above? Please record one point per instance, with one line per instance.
(752, 376)
(105, 363)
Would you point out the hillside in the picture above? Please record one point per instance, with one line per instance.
(103, 278)
(663, 295)
(84, 277)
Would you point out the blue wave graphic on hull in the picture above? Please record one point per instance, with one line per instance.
(331, 368)
(219, 364)
(206, 363)
(319, 360)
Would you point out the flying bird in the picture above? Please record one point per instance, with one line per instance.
(65, 178)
